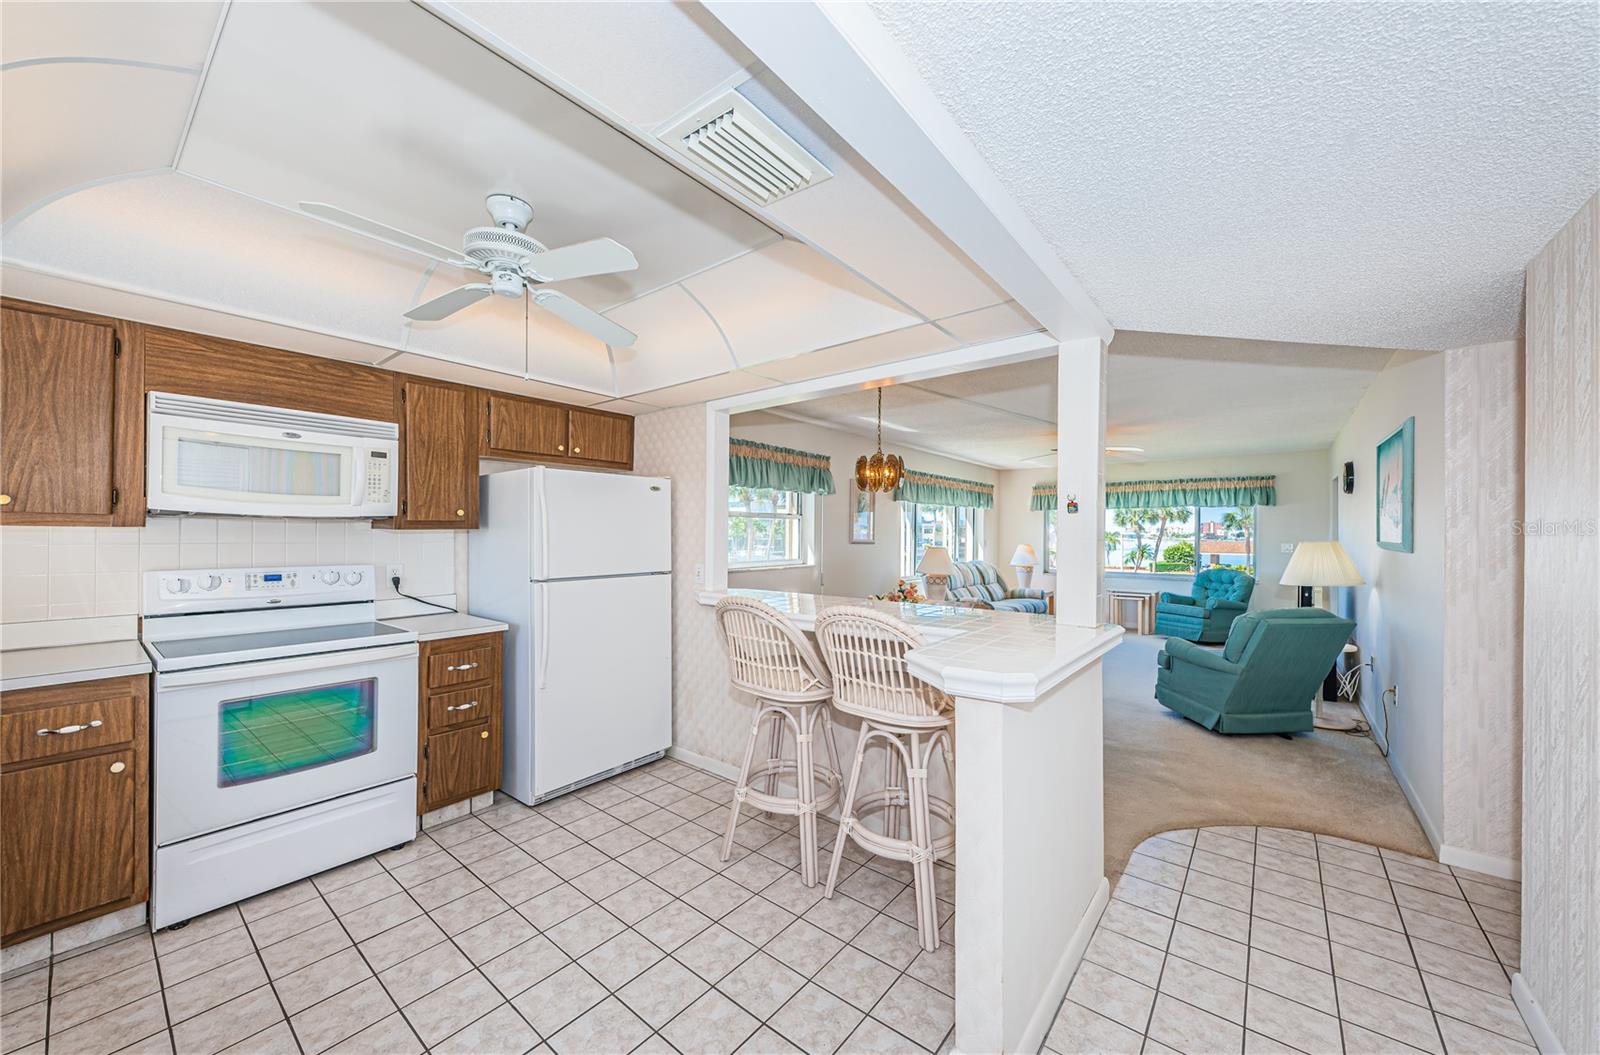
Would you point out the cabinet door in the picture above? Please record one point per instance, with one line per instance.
(461, 763)
(440, 441)
(67, 844)
(601, 437)
(525, 428)
(58, 390)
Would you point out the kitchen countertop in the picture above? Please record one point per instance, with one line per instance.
(30, 668)
(446, 624)
(1007, 657)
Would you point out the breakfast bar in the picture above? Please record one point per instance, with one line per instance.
(1029, 801)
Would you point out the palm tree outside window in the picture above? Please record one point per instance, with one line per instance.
(1180, 540)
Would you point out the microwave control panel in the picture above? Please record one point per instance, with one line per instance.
(380, 476)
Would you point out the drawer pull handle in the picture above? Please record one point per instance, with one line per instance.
(462, 666)
(68, 730)
(461, 706)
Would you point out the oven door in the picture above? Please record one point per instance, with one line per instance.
(234, 744)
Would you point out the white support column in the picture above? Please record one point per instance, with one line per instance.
(1080, 473)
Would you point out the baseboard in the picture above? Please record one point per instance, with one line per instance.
(1429, 829)
(1533, 1016)
(710, 765)
(1044, 1016)
(1488, 864)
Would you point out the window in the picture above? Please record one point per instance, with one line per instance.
(768, 527)
(1050, 541)
(955, 528)
(1180, 540)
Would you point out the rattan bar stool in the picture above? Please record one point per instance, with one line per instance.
(771, 659)
(865, 653)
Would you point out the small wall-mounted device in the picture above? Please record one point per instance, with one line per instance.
(1349, 478)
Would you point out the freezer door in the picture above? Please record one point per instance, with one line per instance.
(602, 676)
(596, 524)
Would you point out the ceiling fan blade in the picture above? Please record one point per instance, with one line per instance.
(564, 307)
(450, 303)
(602, 256)
(380, 231)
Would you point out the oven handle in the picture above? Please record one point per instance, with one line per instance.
(288, 665)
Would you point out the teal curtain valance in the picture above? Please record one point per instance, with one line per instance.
(752, 464)
(1198, 491)
(932, 490)
(1044, 498)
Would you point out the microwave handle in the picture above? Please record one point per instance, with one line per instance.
(359, 658)
(358, 496)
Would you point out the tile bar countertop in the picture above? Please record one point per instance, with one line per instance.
(31, 668)
(446, 624)
(1007, 657)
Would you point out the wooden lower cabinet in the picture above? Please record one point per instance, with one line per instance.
(75, 842)
(459, 696)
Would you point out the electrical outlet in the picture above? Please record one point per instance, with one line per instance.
(699, 574)
(393, 572)
(1286, 547)
(1394, 694)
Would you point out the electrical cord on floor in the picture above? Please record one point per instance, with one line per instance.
(394, 580)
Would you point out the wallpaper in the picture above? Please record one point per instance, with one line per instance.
(1483, 482)
(1561, 635)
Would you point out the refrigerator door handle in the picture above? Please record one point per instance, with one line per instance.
(544, 633)
(543, 571)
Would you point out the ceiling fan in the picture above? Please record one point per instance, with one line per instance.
(517, 264)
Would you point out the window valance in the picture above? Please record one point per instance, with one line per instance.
(1198, 491)
(1044, 498)
(930, 489)
(752, 464)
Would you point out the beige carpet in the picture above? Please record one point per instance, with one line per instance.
(1165, 772)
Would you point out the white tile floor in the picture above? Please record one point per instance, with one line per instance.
(1266, 940)
(601, 922)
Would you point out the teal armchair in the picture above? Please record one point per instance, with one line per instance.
(1265, 678)
(1216, 599)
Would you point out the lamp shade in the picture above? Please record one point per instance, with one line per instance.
(935, 561)
(1320, 564)
(1024, 557)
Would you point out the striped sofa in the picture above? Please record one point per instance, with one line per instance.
(977, 584)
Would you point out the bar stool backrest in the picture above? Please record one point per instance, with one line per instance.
(768, 656)
(866, 653)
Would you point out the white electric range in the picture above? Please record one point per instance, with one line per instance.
(284, 730)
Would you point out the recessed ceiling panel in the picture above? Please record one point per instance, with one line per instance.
(68, 123)
(732, 383)
(168, 234)
(869, 351)
(1026, 389)
(990, 324)
(677, 342)
(166, 33)
(427, 366)
(787, 299)
(643, 61)
(384, 110)
(509, 335)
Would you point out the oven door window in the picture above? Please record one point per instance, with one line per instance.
(261, 737)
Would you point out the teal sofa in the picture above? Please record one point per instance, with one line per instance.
(1216, 599)
(1264, 680)
(977, 584)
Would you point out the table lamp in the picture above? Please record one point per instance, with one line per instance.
(935, 570)
(1319, 564)
(1024, 560)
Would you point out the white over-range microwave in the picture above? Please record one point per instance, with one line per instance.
(218, 457)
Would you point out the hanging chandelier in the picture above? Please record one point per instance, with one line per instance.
(880, 472)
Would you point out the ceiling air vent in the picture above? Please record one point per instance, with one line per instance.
(742, 147)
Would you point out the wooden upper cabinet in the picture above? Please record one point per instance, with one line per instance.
(523, 428)
(438, 455)
(599, 437)
(71, 422)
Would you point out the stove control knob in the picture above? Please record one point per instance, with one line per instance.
(353, 578)
(177, 585)
(330, 576)
(210, 582)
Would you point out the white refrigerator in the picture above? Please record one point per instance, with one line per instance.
(579, 565)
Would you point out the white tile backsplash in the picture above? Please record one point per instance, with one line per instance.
(72, 573)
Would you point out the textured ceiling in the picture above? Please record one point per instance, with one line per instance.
(1174, 395)
(1352, 173)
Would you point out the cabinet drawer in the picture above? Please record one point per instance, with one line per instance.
(460, 666)
(71, 727)
(458, 708)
